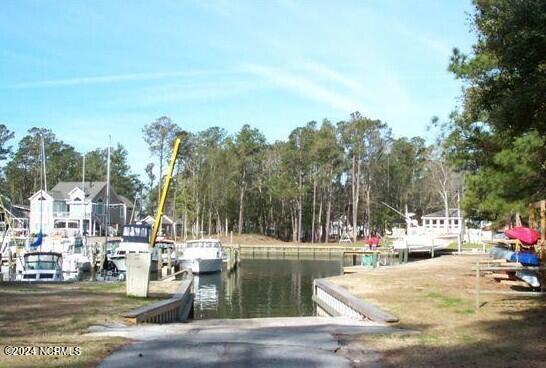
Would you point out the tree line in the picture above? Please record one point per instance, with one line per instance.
(324, 179)
(21, 165)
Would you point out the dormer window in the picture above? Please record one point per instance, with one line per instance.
(77, 199)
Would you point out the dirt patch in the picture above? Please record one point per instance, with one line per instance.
(432, 296)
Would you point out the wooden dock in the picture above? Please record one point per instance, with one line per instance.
(307, 249)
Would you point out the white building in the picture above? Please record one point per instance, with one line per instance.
(438, 222)
(64, 210)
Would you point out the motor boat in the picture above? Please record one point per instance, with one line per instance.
(422, 241)
(42, 266)
(75, 261)
(135, 239)
(203, 256)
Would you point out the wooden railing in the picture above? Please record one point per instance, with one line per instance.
(178, 308)
(496, 267)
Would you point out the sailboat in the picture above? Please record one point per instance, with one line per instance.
(75, 259)
(40, 265)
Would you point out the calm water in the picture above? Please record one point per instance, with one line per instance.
(261, 288)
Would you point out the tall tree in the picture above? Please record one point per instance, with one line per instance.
(121, 178)
(151, 180)
(159, 135)
(364, 140)
(5, 136)
(500, 132)
(23, 170)
(247, 149)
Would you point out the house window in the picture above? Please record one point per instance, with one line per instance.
(60, 207)
(73, 225)
(59, 225)
(441, 222)
(100, 207)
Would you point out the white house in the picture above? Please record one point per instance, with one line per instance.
(437, 221)
(167, 225)
(65, 210)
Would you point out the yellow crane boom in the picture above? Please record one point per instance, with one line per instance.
(165, 191)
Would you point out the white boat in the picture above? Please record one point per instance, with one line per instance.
(135, 239)
(421, 241)
(203, 256)
(418, 239)
(42, 266)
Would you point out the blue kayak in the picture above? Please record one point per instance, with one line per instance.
(525, 258)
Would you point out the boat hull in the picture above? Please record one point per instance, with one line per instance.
(420, 243)
(119, 262)
(202, 265)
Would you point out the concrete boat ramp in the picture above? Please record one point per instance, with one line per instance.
(257, 342)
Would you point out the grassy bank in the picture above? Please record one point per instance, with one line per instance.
(431, 296)
(58, 314)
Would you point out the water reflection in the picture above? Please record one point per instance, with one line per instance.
(261, 288)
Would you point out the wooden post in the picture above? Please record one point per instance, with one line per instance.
(459, 243)
(93, 264)
(10, 265)
(477, 286)
(169, 261)
(432, 248)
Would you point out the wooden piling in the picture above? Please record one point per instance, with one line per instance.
(477, 286)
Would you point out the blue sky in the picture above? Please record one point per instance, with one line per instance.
(89, 69)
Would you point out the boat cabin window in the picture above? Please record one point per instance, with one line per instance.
(139, 234)
(41, 262)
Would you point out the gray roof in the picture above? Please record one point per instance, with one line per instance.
(61, 190)
(453, 212)
(125, 200)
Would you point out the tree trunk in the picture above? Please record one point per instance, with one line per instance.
(294, 219)
(356, 195)
(320, 219)
(313, 210)
(300, 206)
(159, 176)
(368, 209)
(328, 211)
(241, 202)
(210, 222)
(446, 208)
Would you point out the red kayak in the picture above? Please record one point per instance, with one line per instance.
(374, 240)
(523, 234)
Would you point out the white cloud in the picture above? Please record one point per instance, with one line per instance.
(305, 87)
(113, 78)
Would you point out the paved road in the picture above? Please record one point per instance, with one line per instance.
(259, 342)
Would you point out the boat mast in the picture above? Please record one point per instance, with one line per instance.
(83, 200)
(108, 188)
(43, 187)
